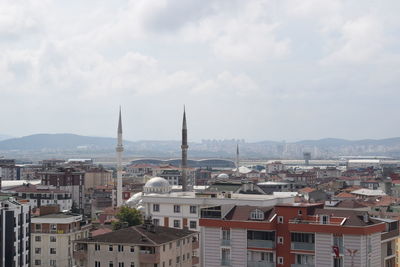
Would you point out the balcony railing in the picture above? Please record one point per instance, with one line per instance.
(225, 262)
(80, 255)
(149, 258)
(225, 242)
(302, 265)
(260, 264)
(254, 243)
(303, 246)
(195, 260)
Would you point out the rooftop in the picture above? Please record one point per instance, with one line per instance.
(140, 235)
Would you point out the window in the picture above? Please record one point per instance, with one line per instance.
(170, 245)
(53, 263)
(53, 238)
(38, 226)
(280, 219)
(193, 224)
(324, 219)
(132, 249)
(178, 259)
(111, 264)
(261, 235)
(177, 208)
(38, 250)
(53, 227)
(225, 257)
(338, 242)
(132, 264)
(97, 264)
(38, 262)
(52, 250)
(303, 237)
(120, 248)
(177, 223)
(110, 248)
(38, 238)
(156, 207)
(257, 215)
(96, 247)
(156, 222)
(183, 257)
(163, 247)
(280, 239)
(280, 260)
(299, 212)
(178, 243)
(170, 262)
(226, 235)
(120, 264)
(338, 262)
(193, 209)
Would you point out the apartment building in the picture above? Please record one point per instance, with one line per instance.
(52, 236)
(295, 235)
(182, 209)
(146, 245)
(43, 195)
(67, 179)
(14, 232)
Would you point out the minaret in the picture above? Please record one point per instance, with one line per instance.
(237, 161)
(119, 149)
(184, 148)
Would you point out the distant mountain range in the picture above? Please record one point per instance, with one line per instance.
(59, 144)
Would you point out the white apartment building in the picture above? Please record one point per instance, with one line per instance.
(43, 195)
(52, 236)
(14, 232)
(182, 209)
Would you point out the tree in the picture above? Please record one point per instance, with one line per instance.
(130, 216)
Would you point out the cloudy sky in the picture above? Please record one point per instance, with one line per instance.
(259, 70)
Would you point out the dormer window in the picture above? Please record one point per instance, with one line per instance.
(257, 215)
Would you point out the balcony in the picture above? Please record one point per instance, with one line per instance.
(195, 260)
(260, 264)
(80, 255)
(195, 245)
(253, 243)
(225, 262)
(225, 242)
(303, 246)
(149, 258)
(302, 265)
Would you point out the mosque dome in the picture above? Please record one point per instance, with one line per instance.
(223, 176)
(157, 185)
(134, 199)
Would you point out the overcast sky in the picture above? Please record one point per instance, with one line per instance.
(258, 70)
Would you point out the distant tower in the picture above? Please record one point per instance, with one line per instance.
(237, 161)
(184, 148)
(307, 158)
(119, 149)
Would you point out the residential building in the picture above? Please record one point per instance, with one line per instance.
(43, 195)
(67, 179)
(144, 245)
(14, 232)
(52, 236)
(96, 176)
(295, 235)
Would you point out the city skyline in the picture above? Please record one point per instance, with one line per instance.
(254, 70)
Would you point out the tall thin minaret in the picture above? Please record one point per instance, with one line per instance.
(119, 149)
(184, 148)
(237, 161)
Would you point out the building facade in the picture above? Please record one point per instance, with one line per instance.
(52, 237)
(295, 235)
(14, 233)
(145, 246)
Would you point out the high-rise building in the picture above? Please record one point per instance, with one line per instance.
(14, 232)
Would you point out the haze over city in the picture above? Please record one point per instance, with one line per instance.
(258, 70)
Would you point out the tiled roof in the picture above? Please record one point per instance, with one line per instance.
(242, 213)
(307, 190)
(345, 195)
(140, 235)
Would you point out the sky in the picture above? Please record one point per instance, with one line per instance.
(256, 69)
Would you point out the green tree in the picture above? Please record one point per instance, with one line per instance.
(130, 216)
